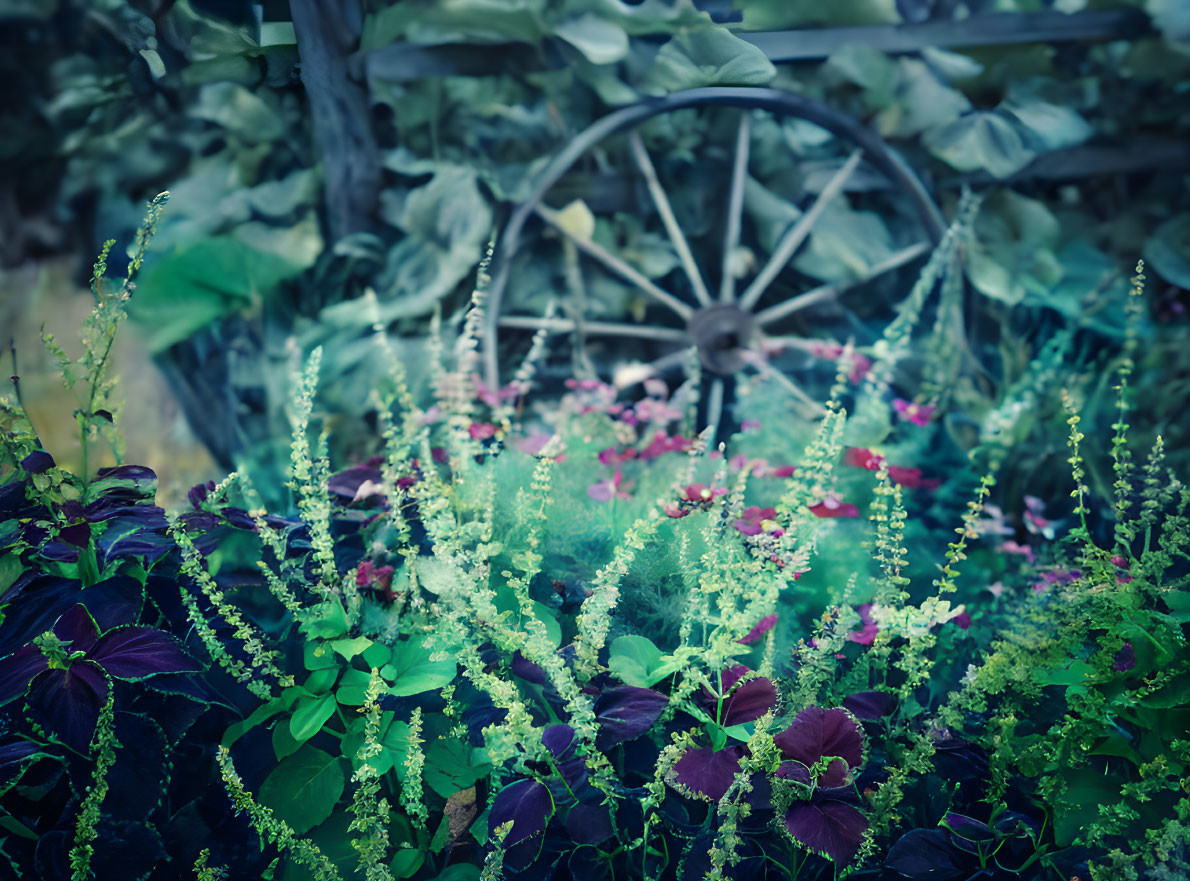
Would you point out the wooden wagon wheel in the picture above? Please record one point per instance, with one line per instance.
(728, 327)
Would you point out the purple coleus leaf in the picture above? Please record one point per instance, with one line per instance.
(750, 701)
(68, 702)
(560, 741)
(763, 626)
(709, 773)
(826, 826)
(927, 853)
(67, 696)
(626, 713)
(38, 462)
(741, 704)
(870, 704)
(816, 732)
(18, 670)
(137, 652)
(589, 823)
(528, 804)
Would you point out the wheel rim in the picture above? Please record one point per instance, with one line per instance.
(722, 328)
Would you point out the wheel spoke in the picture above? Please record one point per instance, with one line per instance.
(616, 265)
(798, 232)
(599, 328)
(766, 370)
(715, 407)
(828, 291)
(641, 155)
(735, 207)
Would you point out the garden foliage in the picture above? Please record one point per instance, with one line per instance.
(597, 646)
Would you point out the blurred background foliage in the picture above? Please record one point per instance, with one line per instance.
(319, 151)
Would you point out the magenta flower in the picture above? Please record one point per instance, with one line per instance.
(1036, 523)
(606, 490)
(694, 497)
(481, 430)
(918, 414)
(866, 635)
(1013, 547)
(376, 578)
(754, 521)
(831, 507)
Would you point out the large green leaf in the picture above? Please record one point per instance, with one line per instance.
(303, 789)
(601, 41)
(980, 141)
(310, 715)
(1168, 250)
(413, 671)
(708, 57)
(203, 282)
(1012, 254)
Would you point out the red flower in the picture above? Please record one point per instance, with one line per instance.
(377, 578)
(832, 507)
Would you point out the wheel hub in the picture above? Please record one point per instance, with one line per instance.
(723, 334)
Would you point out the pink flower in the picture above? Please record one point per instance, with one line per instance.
(1125, 659)
(662, 443)
(750, 425)
(493, 398)
(995, 524)
(754, 521)
(780, 471)
(763, 626)
(606, 490)
(831, 507)
(918, 414)
(481, 430)
(694, 497)
(1034, 522)
(866, 635)
(1012, 547)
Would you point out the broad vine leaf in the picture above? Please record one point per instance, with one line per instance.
(980, 141)
(304, 788)
(310, 715)
(708, 57)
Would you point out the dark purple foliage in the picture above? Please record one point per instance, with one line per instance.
(136, 652)
(827, 826)
(816, 732)
(528, 804)
(527, 670)
(346, 483)
(708, 772)
(67, 701)
(922, 854)
(764, 626)
(1125, 659)
(870, 704)
(741, 704)
(38, 462)
(626, 713)
(589, 823)
(750, 701)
